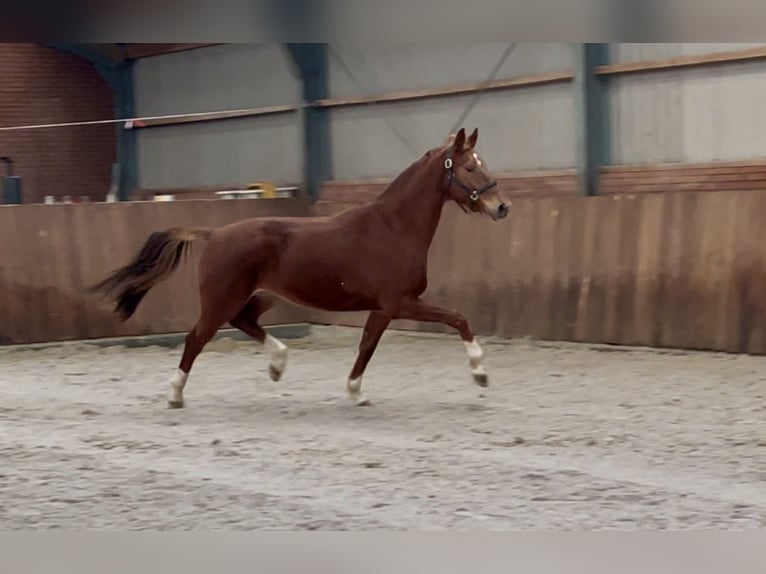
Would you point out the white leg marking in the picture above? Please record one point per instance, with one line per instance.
(354, 388)
(278, 351)
(475, 355)
(177, 384)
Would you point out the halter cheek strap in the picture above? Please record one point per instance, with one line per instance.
(474, 194)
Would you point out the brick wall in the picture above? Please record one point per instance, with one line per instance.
(40, 85)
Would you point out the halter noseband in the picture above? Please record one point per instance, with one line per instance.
(474, 194)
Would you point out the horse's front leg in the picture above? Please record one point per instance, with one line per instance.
(417, 310)
(373, 330)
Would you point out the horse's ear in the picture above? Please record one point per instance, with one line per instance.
(459, 141)
(472, 138)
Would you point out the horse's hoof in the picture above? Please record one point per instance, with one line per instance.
(274, 374)
(359, 400)
(175, 404)
(481, 379)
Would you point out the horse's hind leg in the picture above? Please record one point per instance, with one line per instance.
(247, 322)
(218, 305)
(196, 340)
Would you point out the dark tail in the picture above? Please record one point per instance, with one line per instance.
(158, 258)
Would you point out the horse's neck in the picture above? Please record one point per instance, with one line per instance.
(413, 206)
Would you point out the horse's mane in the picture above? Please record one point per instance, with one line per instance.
(408, 172)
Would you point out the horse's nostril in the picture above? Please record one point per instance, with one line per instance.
(502, 210)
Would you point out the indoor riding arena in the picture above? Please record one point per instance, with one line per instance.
(619, 308)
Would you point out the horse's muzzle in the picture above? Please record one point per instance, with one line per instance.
(499, 211)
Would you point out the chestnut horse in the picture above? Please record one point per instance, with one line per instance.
(368, 258)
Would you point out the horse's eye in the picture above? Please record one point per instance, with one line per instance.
(470, 168)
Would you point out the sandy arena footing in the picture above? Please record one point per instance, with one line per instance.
(564, 437)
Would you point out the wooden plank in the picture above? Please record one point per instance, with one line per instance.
(462, 89)
(578, 209)
(625, 270)
(506, 251)
(712, 270)
(752, 320)
(535, 173)
(137, 51)
(463, 266)
(540, 191)
(730, 310)
(682, 178)
(449, 239)
(483, 248)
(529, 297)
(648, 238)
(688, 298)
(600, 244)
(548, 215)
(350, 193)
(38, 286)
(687, 171)
(670, 269)
(589, 239)
(694, 183)
(688, 187)
(610, 270)
(743, 276)
(31, 279)
(679, 62)
(46, 252)
(567, 245)
(64, 320)
(656, 320)
(6, 276)
(677, 165)
(13, 266)
(101, 248)
(513, 305)
(693, 187)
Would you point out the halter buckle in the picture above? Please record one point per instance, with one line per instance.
(448, 163)
(474, 195)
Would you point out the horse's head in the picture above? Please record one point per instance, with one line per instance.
(468, 181)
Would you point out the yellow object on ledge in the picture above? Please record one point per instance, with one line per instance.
(268, 189)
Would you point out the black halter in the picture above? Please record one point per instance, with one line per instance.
(474, 194)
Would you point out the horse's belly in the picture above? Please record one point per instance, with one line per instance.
(326, 301)
(329, 296)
